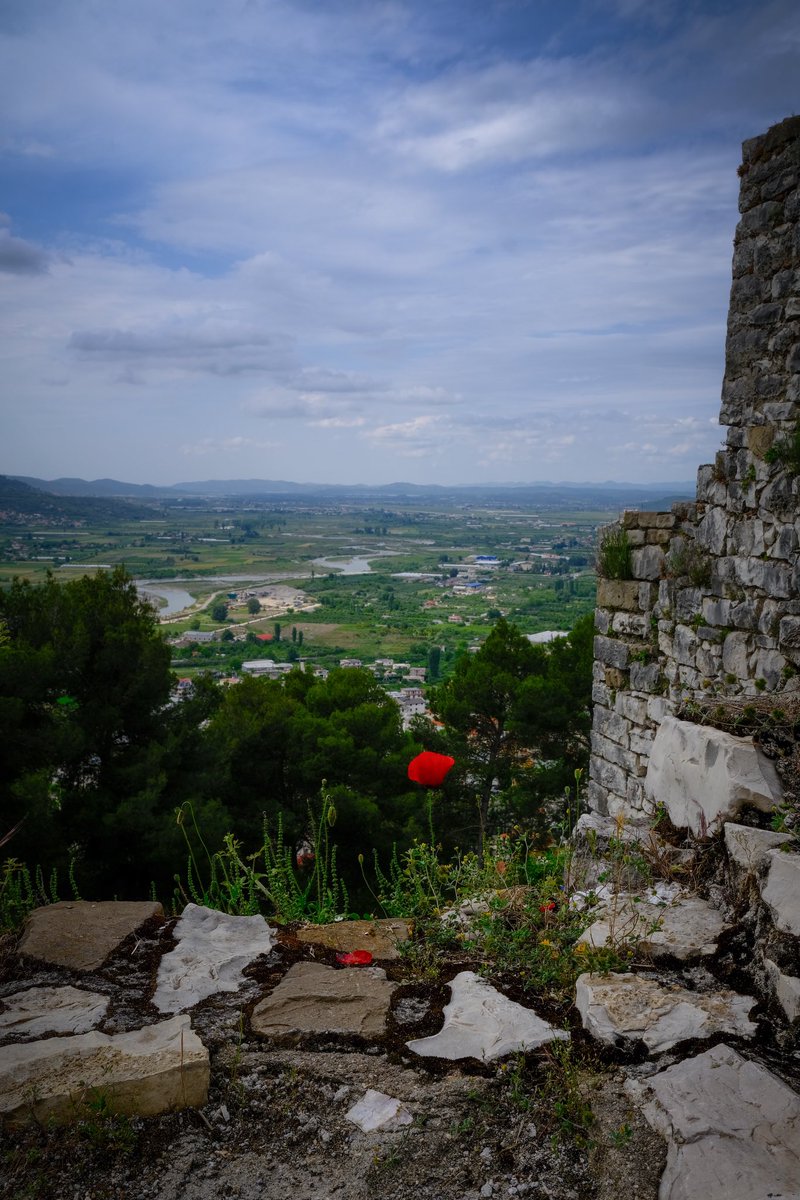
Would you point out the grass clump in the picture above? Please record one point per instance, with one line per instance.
(614, 559)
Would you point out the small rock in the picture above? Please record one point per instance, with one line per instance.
(381, 938)
(376, 1110)
(488, 1189)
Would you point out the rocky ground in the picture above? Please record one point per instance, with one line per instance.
(312, 1078)
(275, 1122)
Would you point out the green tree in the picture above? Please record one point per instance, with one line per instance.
(277, 631)
(481, 706)
(253, 605)
(219, 611)
(84, 680)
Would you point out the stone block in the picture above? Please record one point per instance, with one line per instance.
(786, 989)
(648, 562)
(716, 612)
(781, 890)
(625, 1010)
(685, 645)
(645, 677)
(747, 846)
(789, 636)
(688, 602)
(42, 1010)
(733, 1128)
(602, 621)
(735, 657)
(612, 652)
(704, 776)
(687, 929)
(618, 593)
(80, 934)
(713, 530)
(632, 707)
(153, 1070)
(630, 624)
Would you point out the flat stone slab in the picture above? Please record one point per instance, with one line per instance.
(782, 890)
(688, 928)
(80, 934)
(381, 938)
(41, 1010)
(626, 1009)
(733, 1128)
(212, 952)
(703, 776)
(748, 847)
(312, 998)
(480, 1022)
(376, 1110)
(153, 1070)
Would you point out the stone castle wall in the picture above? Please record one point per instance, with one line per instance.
(713, 605)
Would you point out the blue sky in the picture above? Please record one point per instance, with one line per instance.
(451, 241)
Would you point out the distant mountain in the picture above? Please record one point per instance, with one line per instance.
(579, 495)
(24, 500)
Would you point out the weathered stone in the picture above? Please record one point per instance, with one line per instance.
(153, 1070)
(713, 529)
(748, 847)
(80, 934)
(213, 950)
(734, 655)
(612, 652)
(786, 989)
(648, 562)
(625, 1009)
(781, 891)
(376, 1110)
(41, 1010)
(645, 677)
(704, 776)
(312, 998)
(618, 593)
(480, 1022)
(686, 929)
(381, 937)
(733, 1128)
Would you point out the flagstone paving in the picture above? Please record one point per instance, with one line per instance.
(80, 934)
(315, 1079)
(381, 937)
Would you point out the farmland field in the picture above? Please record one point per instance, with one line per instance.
(351, 579)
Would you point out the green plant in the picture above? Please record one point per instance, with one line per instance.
(101, 1125)
(749, 477)
(786, 451)
(614, 559)
(21, 892)
(686, 558)
(564, 1091)
(239, 886)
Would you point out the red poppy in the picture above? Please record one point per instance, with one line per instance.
(429, 768)
(547, 907)
(356, 958)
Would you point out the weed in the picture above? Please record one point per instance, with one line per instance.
(21, 892)
(786, 451)
(564, 1092)
(621, 1136)
(104, 1128)
(240, 887)
(614, 554)
(687, 559)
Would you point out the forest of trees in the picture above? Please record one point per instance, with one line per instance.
(97, 757)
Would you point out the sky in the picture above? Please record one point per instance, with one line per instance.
(363, 241)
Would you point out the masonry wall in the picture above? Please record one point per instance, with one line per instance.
(713, 608)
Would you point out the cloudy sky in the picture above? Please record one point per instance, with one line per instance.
(450, 241)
